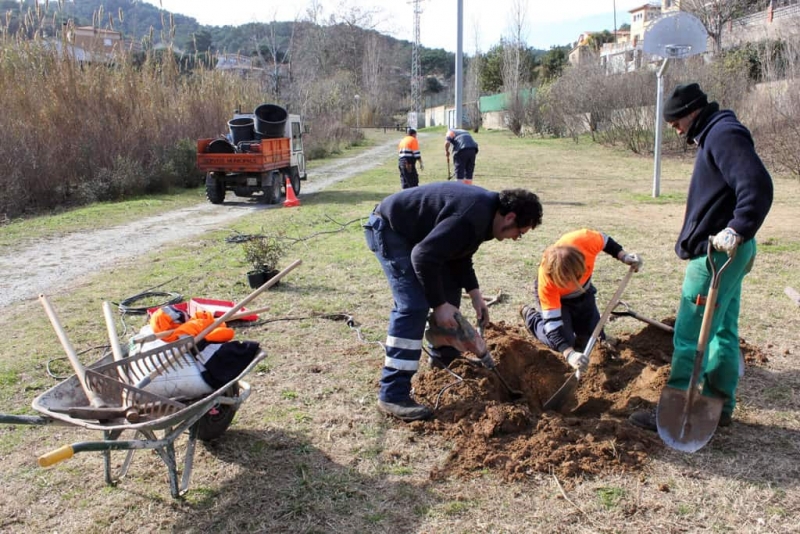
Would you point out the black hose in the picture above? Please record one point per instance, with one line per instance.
(125, 305)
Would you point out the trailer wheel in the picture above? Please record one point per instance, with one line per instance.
(214, 423)
(272, 193)
(295, 179)
(215, 189)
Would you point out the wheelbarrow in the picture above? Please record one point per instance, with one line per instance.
(110, 396)
(205, 418)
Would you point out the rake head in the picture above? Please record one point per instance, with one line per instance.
(122, 381)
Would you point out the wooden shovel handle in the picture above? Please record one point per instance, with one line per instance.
(80, 370)
(245, 301)
(166, 333)
(230, 313)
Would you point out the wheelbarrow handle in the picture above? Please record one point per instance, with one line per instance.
(65, 452)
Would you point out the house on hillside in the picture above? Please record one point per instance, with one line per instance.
(244, 66)
(626, 54)
(96, 40)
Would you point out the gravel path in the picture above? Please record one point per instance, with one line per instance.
(40, 265)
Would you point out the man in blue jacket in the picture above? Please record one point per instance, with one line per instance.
(730, 194)
(425, 237)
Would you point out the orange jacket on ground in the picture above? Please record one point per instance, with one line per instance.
(161, 321)
(408, 148)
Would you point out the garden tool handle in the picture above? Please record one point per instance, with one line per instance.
(166, 333)
(144, 382)
(241, 304)
(607, 312)
(77, 366)
(112, 331)
(65, 452)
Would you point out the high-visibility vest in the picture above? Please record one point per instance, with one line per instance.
(409, 148)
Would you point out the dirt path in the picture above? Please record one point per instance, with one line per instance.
(40, 265)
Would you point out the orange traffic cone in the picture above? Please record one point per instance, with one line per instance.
(291, 199)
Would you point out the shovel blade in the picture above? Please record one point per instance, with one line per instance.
(686, 424)
(566, 391)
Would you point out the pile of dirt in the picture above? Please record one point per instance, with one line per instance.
(588, 435)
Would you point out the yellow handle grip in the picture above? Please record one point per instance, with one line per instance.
(58, 455)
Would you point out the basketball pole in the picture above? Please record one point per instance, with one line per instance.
(659, 126)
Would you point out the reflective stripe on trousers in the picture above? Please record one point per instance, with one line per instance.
(408, 315)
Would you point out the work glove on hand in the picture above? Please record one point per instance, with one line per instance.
(727, 240)
(634, 260)
(578, 360)
(421, 166)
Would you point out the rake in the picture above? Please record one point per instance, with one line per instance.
(113, 380)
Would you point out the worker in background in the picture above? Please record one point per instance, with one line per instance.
(424, 238)
(730, 194)
(565, 313)
(409, 154)
(465, 149)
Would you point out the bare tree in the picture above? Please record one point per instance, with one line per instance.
(472, 92)
(714, 14)
(513, 48)
(280, 55)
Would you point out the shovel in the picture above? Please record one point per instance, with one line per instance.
(626, 311)
(568, 388)
(466, 339)
(687, 420)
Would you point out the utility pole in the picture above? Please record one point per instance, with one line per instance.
(459, 64)
(416, 72)
(615, 21)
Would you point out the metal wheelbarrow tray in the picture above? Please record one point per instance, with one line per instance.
(205, 418)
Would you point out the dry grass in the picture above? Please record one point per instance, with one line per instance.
(308, 452)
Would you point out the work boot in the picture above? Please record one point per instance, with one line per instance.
(725, 419)
(644, 419)
(406, 410)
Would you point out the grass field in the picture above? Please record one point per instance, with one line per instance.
(309, 453)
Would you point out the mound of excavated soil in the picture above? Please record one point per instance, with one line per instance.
(588, 435)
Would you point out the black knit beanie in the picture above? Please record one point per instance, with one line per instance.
(683, 100)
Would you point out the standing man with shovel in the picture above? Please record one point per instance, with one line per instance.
(465, 150)
(730, 194)
(408, 156)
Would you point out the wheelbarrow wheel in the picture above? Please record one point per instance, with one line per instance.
(217, 420)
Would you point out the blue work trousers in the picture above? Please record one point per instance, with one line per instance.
(579, 316)
(409, 313)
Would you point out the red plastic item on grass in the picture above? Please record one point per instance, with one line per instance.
(217, 307)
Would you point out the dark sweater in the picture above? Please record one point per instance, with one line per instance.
(730, 187)
(444, 223)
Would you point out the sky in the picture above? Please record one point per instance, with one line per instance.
(548, 23)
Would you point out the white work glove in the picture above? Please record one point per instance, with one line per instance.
(727, 240)
(578, 360)
(634, 260)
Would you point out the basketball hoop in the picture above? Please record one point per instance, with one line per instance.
(677, 51)
(672, 37)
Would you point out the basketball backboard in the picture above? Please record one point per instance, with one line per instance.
(675, 36)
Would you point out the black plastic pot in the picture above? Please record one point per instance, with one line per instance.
(242, 129)
(270, 121)
(258, 278)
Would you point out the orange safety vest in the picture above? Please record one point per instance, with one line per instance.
(409, 148)
(590, 243)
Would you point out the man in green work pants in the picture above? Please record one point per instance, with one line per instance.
(730, 194)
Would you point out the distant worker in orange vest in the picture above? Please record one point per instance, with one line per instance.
(465, 149)
(408, 154)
